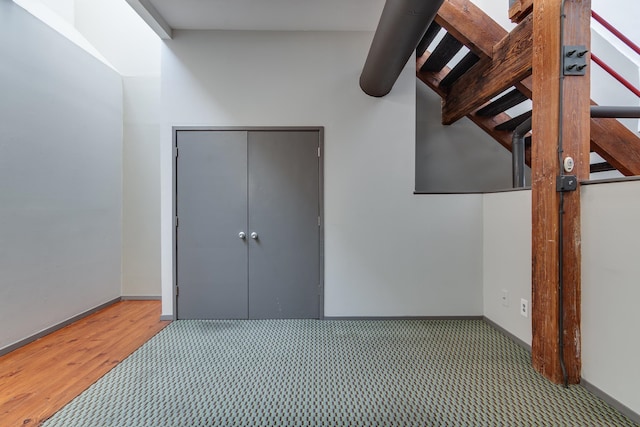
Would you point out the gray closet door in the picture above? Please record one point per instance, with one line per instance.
(284, 259)
(211, 203)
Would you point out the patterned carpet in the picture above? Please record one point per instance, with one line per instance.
(331, 373)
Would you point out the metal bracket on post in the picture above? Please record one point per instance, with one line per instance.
(574, 60)
(566, 183)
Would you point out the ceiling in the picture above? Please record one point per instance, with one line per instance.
(278, 15)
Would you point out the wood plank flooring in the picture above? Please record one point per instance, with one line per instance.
(41, 377)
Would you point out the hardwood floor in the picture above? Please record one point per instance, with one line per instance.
(40, 378)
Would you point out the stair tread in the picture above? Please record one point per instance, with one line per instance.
(512, 124)
(469, 60)
(510, 99)
(428, 37)
(601, 167)
(442, 54)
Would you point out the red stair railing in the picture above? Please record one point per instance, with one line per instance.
(615, 32)
(626, 41)
(616, 75)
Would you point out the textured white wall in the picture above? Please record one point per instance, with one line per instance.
(119, 33)
(498, 10)
(611, 289)
(64, 8)
(134, 50)
(507, 260)
(60, 178)
(387, 252)
(605, 90)
(610, 284)
(141, 187)
(624, 16)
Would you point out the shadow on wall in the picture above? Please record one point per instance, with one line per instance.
(459, 158)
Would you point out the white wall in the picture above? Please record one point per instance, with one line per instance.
(141, 187)
(60, 16)
(623, 15)
(134, 50)
(605, 90)
(507, 260)
(610, 284)
(119, 33)
(60, 178)
(64, 8)
(611, 289)
(498, 10)
(387, 251)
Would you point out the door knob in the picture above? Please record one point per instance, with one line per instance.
(254, 235)
(242, 235)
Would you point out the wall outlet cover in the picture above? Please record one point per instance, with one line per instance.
(524, 307)
(505, 298)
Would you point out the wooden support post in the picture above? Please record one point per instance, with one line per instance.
(560, 130)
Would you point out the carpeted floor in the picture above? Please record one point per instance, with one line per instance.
(331, 373)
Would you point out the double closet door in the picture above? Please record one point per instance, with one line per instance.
(248, 234)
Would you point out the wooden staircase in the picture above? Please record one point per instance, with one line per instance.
(494, 75)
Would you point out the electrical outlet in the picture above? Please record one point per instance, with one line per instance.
(524, 307)
(505, 298)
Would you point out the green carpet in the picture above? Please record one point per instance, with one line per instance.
(331, 373)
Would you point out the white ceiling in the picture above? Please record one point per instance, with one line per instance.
(283, 15)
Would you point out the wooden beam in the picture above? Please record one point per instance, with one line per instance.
(560, 125)
(525, 86)
(511, 63)
(617, 145)
(471, 26)
(520, 9)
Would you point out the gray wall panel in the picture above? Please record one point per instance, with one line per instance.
(60, 177)
(459, 158)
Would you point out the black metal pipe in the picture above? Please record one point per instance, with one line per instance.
(402, 25)
(615, 112)
(563, 365)
(517, 153)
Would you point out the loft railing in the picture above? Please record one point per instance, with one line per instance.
(626, 41)
(615, 32)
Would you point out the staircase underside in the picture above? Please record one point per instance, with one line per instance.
(494, 75)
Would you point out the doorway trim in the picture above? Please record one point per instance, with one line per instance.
(174, 162)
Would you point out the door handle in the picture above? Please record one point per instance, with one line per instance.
(254, 235)
(242, 235)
